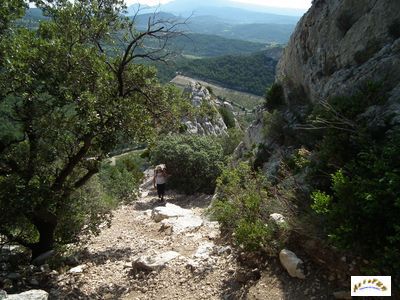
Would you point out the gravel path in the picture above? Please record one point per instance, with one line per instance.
(107, 262)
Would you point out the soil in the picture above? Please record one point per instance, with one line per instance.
(106, 262)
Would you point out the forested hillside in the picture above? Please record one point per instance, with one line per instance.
(249, 73)
(205, 45)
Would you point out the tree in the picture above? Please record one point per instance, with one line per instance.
(72, 89)
(10, 10)
(193, 161)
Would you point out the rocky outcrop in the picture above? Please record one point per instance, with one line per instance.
(339, 45)
(204, 124)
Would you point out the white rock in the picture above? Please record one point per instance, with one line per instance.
(277, 218)
(152, 263)
(228, 105)
(30, 295)
(291, 263)
(168, 211)
(183, 224)
(204, 251)
(77, 269)
(3, 294)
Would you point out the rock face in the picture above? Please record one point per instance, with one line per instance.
(338, 45)
(204, 125)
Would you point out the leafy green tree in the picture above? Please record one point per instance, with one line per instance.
(72, 90)
(192, 161)
(9, 11)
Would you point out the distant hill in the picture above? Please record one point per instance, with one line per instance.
(203, 45)
(212, 25)
(263, 33)
(247, 73)
(32, 18)
(209, 25)
(186, 7)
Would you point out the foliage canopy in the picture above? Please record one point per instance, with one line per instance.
(69, 93)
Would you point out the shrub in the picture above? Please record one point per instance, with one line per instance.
(252, 235)
(230, 141)
(274, 97)
(122, 180)
(273, 125)
(207, 111)
(242, 207)
(192, 160)
(361, 202)
(227, 116)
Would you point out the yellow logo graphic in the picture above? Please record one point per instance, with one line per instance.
(374, 284)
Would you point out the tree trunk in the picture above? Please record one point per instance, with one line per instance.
(45, 223)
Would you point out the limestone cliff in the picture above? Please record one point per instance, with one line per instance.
(209, 122)
(338, 46)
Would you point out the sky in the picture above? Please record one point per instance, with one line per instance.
(304, 4)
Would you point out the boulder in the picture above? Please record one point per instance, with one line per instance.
(291, 263)
(3, 295)
(204, 251)
(30, 295)
(168, 211)
(183, 224)
(154, 263)
(77, 269)
(228, 105)
(277, 218)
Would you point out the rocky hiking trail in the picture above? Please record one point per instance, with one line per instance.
(174, 252)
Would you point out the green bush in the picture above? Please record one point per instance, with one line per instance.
(207, 111)
(230, 141)
(360, 201)
(363, 205)
(122, 180)
(243, 206)
(273, 125)
(274, 97)
(252, 235)
(227, 116)
(92, 204)
(193, 161)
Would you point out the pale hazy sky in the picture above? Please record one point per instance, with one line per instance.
(273, 3)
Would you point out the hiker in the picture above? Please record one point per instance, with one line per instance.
(159, 180)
